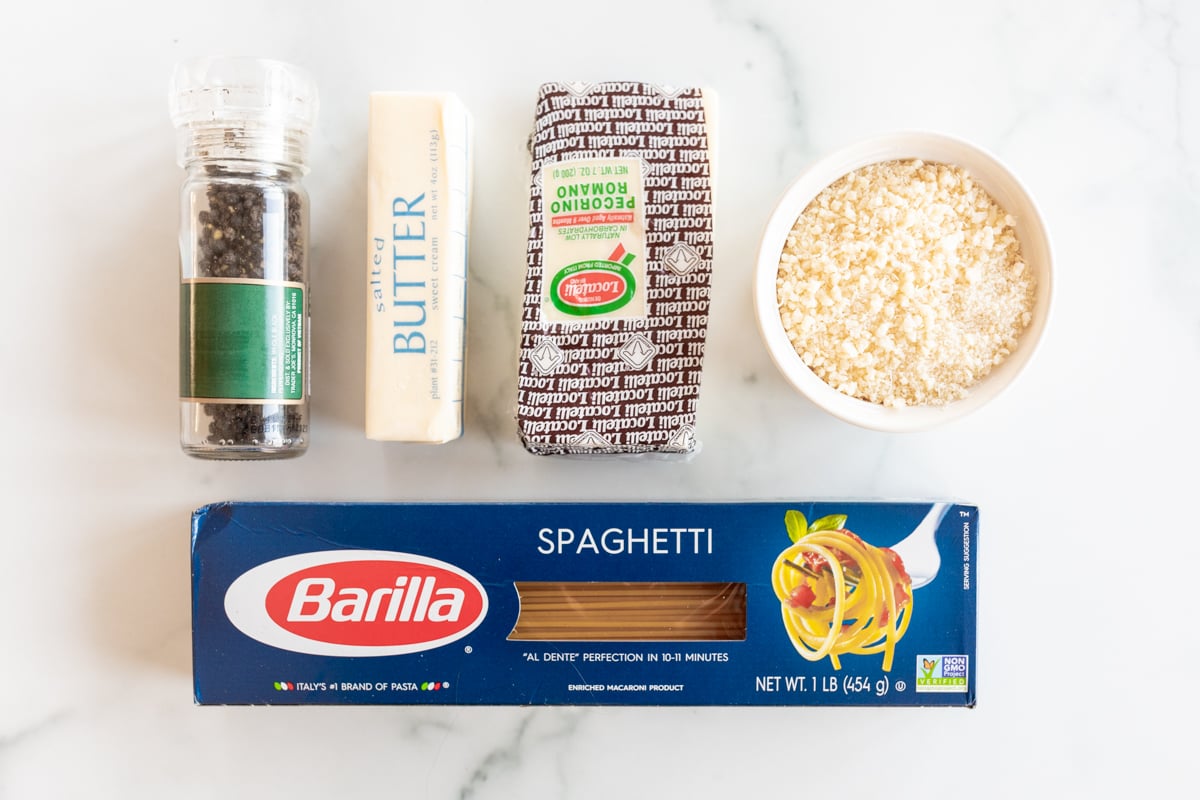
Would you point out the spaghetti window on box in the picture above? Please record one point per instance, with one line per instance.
(630, 612)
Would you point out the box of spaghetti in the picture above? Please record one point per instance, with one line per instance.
(767, 603)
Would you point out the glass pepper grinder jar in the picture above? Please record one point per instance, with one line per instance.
(243, 130)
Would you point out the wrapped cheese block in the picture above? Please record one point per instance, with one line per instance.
(619, 263)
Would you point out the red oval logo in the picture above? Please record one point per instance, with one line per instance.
(352, 602)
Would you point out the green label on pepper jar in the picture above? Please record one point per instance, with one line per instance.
(241, 340)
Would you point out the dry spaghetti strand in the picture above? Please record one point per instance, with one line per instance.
(630, 612)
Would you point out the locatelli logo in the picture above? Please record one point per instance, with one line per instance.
(588, 288)
(356, 603)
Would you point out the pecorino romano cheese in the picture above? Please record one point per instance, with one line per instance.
(619, 261)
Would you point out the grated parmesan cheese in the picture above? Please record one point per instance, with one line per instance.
(902, 283)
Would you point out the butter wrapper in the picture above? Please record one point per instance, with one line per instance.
(418, 209)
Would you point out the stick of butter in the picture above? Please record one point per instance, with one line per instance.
(418, 209)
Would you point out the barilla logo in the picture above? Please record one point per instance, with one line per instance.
(356, 603)
(588, 288)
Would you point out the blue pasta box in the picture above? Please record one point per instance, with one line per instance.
(675, 604)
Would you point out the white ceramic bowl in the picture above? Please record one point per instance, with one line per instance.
(996, 179)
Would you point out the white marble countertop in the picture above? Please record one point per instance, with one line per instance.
(1083, 471)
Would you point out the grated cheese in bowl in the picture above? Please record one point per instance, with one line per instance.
(903, 283)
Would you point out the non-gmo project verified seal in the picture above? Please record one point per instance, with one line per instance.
(941, 673)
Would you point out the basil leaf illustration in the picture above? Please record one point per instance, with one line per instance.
(797, 525)
(829, 523)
